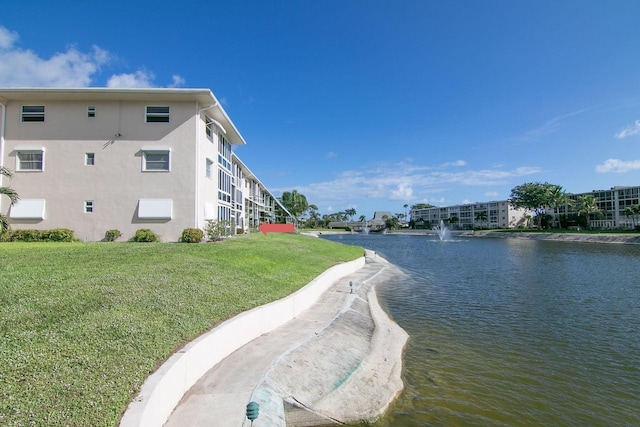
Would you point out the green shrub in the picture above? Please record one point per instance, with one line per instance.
(24, 236)
(191, 235)
(59, 235)
(27, 235)
(144, 235)
(112, 235)
(217, 230)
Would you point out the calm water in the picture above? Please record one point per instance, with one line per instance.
(510, 332)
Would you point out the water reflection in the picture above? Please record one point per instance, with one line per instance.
(514, 332)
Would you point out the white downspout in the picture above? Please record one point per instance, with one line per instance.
(196, 211)
(3, 121)
(197, 207)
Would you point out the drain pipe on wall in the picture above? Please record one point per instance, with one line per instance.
(3, 121)
(196, 210)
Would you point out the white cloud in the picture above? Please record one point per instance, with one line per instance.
(491, 194)
(402, 182)
(403, 191)
(618, 166)
(331, 155)
(177, 81)
(139, 79)
(71, 68)
(549, 127)
(456, 163)
(631, 130)
(24, 68)
(7, 38)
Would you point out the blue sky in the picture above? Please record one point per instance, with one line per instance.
(371, 104)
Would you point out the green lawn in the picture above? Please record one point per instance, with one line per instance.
(83, 324)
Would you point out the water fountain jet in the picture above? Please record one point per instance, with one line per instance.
(442, 231)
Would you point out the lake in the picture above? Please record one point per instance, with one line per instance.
(513, 332)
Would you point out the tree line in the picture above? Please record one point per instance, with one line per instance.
(537, 197)
(308, 215)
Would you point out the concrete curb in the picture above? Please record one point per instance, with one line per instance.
(164, 389)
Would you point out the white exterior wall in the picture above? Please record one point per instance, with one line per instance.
(206, 187)
(611, 203)
(116, 135)
(116, 182)
(499, 214)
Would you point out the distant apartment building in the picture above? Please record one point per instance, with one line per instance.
(611, 206)
(259, 205)
(472, 215)
(95, 159)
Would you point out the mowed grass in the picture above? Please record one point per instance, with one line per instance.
(83, 324)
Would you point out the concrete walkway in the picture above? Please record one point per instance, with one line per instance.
(338, 362)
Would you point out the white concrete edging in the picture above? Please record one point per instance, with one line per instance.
(163, 390)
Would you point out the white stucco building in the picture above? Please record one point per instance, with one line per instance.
(611, 214)
(498, 214)
(94, 159)
(611, 204)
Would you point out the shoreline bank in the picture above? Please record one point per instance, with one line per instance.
(339, 361)
(628, 239)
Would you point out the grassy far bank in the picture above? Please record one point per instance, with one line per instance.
(83, 324)
(565, 231)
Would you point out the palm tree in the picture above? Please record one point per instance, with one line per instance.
(633, 211)
(558, 198)
(350, 212)
(391, 223)
(314, 216)
(586, 206)
(405, 211)
(482, 217)
(528, 220)
(11, 194)
(362, 218)
(326, 219)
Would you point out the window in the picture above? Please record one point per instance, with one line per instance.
(208, 168)
(224, 213)
(224, 186)
(157, 114)
(209, 129)
(33, 113)
(91, 111)
(156, 159)
(224, 152)
(88, 206)
(30, 159)
(90, 159)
